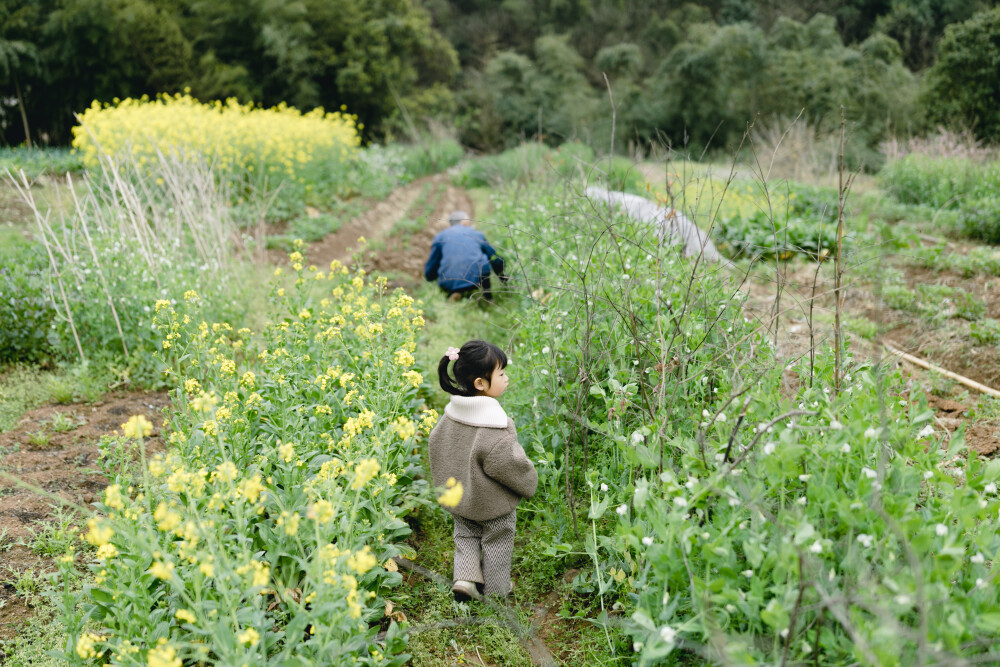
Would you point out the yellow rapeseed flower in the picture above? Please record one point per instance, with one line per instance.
(99, 532)
(364, 472)
(166, 519)
(362, 561)
(286, 451)
(248, 637)
(85, 645)
(252, 488)
(163, 655)
(107, 551)
(185, 615)
(161, 570)
(321, 511)
(113, 497)
(137, 427)
(453, 495)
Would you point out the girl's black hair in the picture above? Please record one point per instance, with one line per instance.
(476, 359)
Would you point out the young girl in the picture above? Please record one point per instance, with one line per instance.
(476, 444)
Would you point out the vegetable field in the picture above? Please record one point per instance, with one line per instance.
(216, 400)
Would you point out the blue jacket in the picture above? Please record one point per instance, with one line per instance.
(460, 258)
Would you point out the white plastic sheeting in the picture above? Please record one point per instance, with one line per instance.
(672, 227)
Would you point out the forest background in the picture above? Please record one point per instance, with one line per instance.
(681, 74)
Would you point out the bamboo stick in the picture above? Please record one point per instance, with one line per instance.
(972, 384)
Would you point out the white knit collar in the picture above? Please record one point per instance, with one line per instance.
(477, 411)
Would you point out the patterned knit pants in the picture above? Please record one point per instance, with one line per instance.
(483, 550)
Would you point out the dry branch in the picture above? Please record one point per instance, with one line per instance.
(972, 384)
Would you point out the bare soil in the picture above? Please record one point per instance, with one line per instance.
(400, 255)
(65, 469)
(945, 343)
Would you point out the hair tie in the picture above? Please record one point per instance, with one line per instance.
(452, 353)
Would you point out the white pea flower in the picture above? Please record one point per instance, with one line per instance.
(721, 417)
(604, 488)
(747, 573)
(784, 633)
(817, 547)
(668, 634)
(990, 488)
(866, 540)
(545, 350)
(869, 473)
(926, 432)
(802, 500)
(705, 413)
(621, 510)
(979, 582)
(680, 501)
(648, 541)
(903, 600)
(770, 447)
(928, 474)
(941, 529)
(846, 448)
(871, 433)
(636, 646)
(836, 425)
(544, 372)
(977, 559)
(804, 478)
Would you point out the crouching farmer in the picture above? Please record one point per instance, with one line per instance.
(461, 259)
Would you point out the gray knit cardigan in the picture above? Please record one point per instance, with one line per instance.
(476, 443)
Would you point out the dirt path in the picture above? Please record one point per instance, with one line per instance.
(54, 448)
(399, 229)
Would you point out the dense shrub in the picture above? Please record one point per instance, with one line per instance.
(980, 218)
(939, 182)
(26, 309)
(264, 535)
(753, 521)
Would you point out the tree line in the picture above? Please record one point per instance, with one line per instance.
(497, 72)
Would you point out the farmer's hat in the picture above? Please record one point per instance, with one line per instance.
(457, 217)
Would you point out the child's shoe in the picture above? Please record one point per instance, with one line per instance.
(465, 591)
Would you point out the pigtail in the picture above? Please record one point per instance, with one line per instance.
(448, 383)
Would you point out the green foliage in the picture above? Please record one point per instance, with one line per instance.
(985, 332)
(515, 166)
(290, 429)
(803, 220)
(934, 302)
(53, 538)
(35, 162)
(26, 306)
(21, 389)
(974, 261)
(739, 511)
(939, 182)
(980, 218)
(35, 639)
(963, 84)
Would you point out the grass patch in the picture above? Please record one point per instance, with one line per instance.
(34, 640)
(22, 388)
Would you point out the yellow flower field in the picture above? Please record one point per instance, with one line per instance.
(279, 142)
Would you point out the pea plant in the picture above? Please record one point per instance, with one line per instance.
(735, 507)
